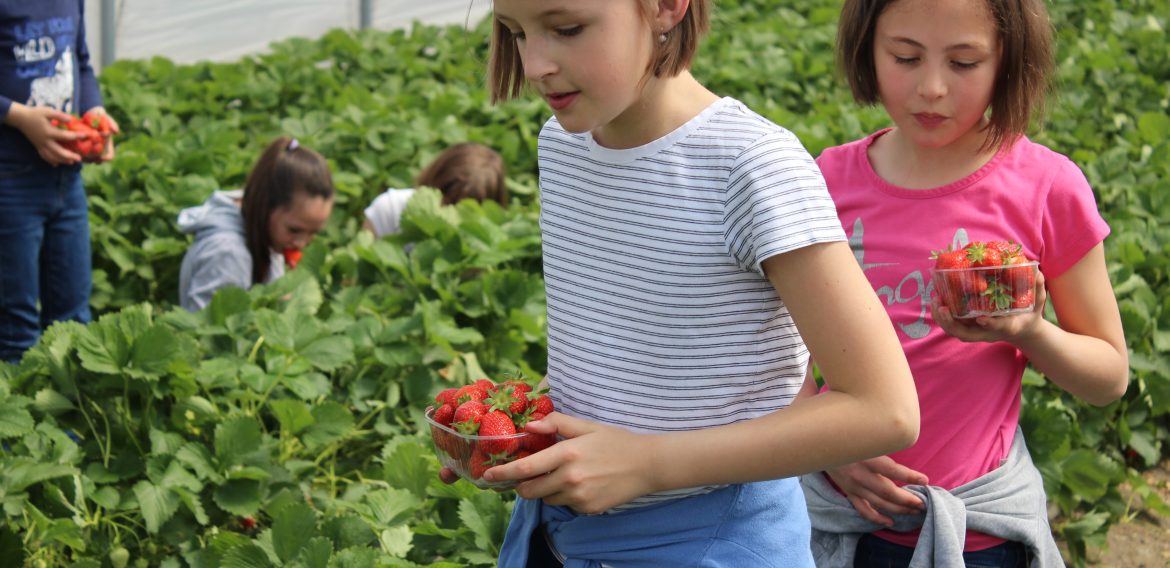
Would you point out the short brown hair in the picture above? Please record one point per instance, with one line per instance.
(506, 71)
(1025, 38)
(467, 170)
(284, 169)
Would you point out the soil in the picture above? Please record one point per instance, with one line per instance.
(1144, 540)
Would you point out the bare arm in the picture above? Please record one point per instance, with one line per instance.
(1086, 354)
(872, 409)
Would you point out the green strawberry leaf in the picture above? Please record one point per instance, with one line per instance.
(292, 529)
(158, 504)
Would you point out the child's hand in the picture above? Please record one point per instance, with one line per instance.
(593, 469)
(990, 329)
(109, 124)
(870, 487)
(35, 123)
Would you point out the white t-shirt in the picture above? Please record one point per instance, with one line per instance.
(385, 212)
(659, 316)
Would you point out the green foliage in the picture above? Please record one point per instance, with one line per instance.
(278, 427)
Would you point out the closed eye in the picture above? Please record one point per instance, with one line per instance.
(569, 31)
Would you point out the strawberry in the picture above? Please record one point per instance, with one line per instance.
(982, 255)
(444, 414)
(470, 392)
(99, 121)
(509, 400)
(1019, 278)
(949, 259)
(478, 463)
(518, 385)
(467, 417)
(485, 384)
(292, 256)
(447, 396)
(542, 404)
(497, 423)
(1025, 299)
(90, 145)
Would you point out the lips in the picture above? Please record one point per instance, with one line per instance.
(929, 119)
(559, 101)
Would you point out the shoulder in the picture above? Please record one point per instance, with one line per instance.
(219, 246)
(553, 137)
(1040, 166)
(843, 153)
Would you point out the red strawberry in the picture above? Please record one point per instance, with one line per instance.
(444, 414)
(497, 423)
(100, 122)
(542, 404)
(518, 385)
(508, 399)
(453, 445)
(948, 259)
(248, 523)
(1025, 299)
(447, 396)
(292, 257)
(467, 417)
(1019, 278)
(485, 384)
(470, 392)
(982, 255)
(478, 463)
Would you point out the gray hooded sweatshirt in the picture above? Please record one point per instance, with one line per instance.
(219, 256)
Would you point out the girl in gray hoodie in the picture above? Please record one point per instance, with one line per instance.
(240, 235)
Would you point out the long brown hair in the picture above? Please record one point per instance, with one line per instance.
(468, 170)
(284, 169)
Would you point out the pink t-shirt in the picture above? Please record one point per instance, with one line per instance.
(969, 393)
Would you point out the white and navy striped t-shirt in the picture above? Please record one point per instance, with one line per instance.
(659, 315)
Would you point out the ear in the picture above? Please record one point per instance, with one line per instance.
(669, 14)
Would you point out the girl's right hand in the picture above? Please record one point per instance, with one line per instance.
(870, 487)
(36, 124)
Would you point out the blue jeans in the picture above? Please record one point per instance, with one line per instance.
(874, 552)
(45, 260)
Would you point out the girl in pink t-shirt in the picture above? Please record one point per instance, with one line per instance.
(960, 80)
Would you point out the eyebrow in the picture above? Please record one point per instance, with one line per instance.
(545, 14)
(955, 47)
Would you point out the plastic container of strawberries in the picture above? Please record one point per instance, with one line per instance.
(469, 456)
(987, 291)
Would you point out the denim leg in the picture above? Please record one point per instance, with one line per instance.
(66, 262)
(22, 221)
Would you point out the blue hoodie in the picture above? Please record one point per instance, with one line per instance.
(219, 257)
(44, 61)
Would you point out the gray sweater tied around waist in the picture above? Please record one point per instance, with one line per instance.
(1008, 502)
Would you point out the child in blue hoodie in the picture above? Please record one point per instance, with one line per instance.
(240, 235)
(45, 75)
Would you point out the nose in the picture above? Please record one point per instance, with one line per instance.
(536, 59)
(932, 84)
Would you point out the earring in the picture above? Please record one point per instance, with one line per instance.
(662, 37)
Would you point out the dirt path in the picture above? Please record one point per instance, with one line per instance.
(1144, 541)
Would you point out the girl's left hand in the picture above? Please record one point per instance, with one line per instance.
(990, 329)
(591, 470)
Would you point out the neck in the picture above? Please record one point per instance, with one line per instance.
(917, 167)
(664, 105)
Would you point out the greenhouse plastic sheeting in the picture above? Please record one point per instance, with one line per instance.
(225, 30)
